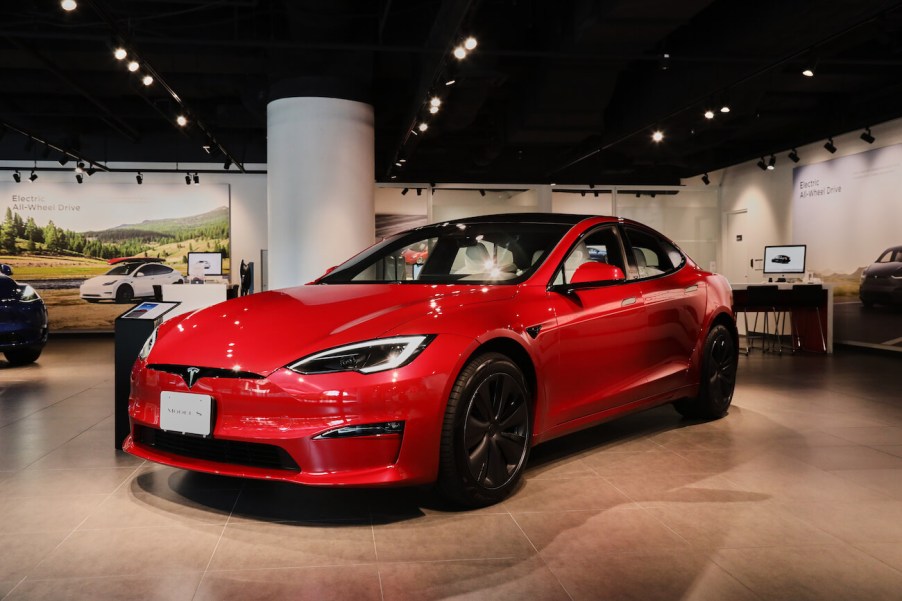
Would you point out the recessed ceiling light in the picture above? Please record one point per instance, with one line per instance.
(69, 5)
(709, 114)
(725, 108)
(808, 72)
(423, 126)
(147, 80)
(460, 53)
(433, 109)
(658, 135)
(450, 82)
(133, 66)
(120, 53)
(181, 120)
(470, 43)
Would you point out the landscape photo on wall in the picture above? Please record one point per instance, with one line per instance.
(59, 236)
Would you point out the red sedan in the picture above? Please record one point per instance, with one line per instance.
(516, 329)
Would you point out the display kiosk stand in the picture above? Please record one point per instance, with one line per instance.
(132, 329)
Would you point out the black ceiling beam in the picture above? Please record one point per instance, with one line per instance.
(41, 140)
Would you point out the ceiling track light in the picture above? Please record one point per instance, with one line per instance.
(68, 5)
(705, 179)
(419, 191)
(793, 155)
(133, 66)
(147, 80)
(139, 178)
(33, 176)
(709, 114)
(196, 178)
(182, 120)
(120, 53)
(482, 192)
(762, 165)
(187, 179)
(830, 146)
(17, 176)
(657, 135)
(423, 126)
(79, 178)
(405, 191)
(227, 164)
(866, 136)
(772, 162)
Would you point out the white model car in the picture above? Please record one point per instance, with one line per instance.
(129, 279)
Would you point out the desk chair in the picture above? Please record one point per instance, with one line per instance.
(807, 296)
(764, 299)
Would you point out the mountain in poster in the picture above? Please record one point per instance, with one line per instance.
(212, 224)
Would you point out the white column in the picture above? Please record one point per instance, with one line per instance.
(320, 185)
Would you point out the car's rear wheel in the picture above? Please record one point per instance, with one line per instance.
(486, 434)
(23, 356)
(125, 294)
(717, 377)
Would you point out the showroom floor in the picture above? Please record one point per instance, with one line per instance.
(796, 495)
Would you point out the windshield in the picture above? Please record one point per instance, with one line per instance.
(124, 269)
(467, 253)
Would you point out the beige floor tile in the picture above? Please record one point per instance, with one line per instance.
(129, 509)
(452, 536)
(174, 587)
(19, 553)
(360, 583)
(247, 545)
(731, 525)
(651, 577)
(812, 573)
(495, 579)
(39, 513)
(875, 435)
(64, 481)
(895, 450)
(72, 455)
(886, 481)
(888, 553)
(567, 466)
(879, 522)
(649, 463)
(849, 458)
(596, 533)
(162, 479)
(131, 552)
(794, 484)
(688, 488)
(582, 492)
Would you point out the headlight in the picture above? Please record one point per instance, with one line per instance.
(28, 294)
(110, 283)
(148, 345)
(364, 357)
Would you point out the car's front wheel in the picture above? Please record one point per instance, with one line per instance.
(717, 378)
(125, 294)
(23, 356)
(486, 434)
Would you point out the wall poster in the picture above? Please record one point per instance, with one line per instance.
(847, 210)
(57, 236)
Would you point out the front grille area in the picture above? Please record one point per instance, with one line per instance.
(251, 454)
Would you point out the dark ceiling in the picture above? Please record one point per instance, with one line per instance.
(557, 91)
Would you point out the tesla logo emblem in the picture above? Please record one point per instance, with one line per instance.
(192, 375)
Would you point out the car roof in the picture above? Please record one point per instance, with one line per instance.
(134, 260)
(561, 218)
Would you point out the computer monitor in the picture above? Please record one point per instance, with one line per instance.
(784, 259)
(204, 264)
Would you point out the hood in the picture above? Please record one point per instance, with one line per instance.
(263, 332)
(884, 270)
(100, 280)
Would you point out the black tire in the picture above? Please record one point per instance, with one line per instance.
(23, 356)
(92, 300)
(125, 294)
(717, 378)
(486, 434)
(867, 304)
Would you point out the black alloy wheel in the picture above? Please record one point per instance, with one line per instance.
(485, 441)
(125, 294)
(717, 377)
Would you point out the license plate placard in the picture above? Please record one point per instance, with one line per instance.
(186, 412)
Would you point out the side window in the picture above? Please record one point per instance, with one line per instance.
(651, 254)
(601, 245)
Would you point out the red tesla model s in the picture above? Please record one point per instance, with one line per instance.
(514, 330)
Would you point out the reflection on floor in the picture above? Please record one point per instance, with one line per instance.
(796, 495)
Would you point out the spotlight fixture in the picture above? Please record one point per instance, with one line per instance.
(402, 160)
(404, 191)
(657, 136)
(133, 66)
(771, 162)
(139, 178)
(79, 167)
(91, 170)
(399, 164)
(79, 178)
(435, 101)
(460, 53)
(470, 43)
(831, 148)
(182, 120)
(196, 178)
(423, 126)
(482, 192)
(433, 109)
(419, 191)
(705, 179)
(808, 71)
(64, 159)
(762, 165)
(17, 176)
(793, 155)
(120, 53)
(187, 179)
(147, 80)
(866, 136)
(709, 114)
(69, 5)
(227, 164)
(33, 176)
(450, 82)
(725, 107)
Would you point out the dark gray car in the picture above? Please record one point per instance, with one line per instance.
(881, 281)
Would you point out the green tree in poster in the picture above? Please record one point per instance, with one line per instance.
(19, 224)
(8, 234)
(51, 236)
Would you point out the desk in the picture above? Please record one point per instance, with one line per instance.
(805, 318)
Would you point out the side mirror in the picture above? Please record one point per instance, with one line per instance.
(596, 272)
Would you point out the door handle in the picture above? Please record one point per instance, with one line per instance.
(691, 288)
(628, 301)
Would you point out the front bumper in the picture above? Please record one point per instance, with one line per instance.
(881, 290)
(270, 428)
(22, 326)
